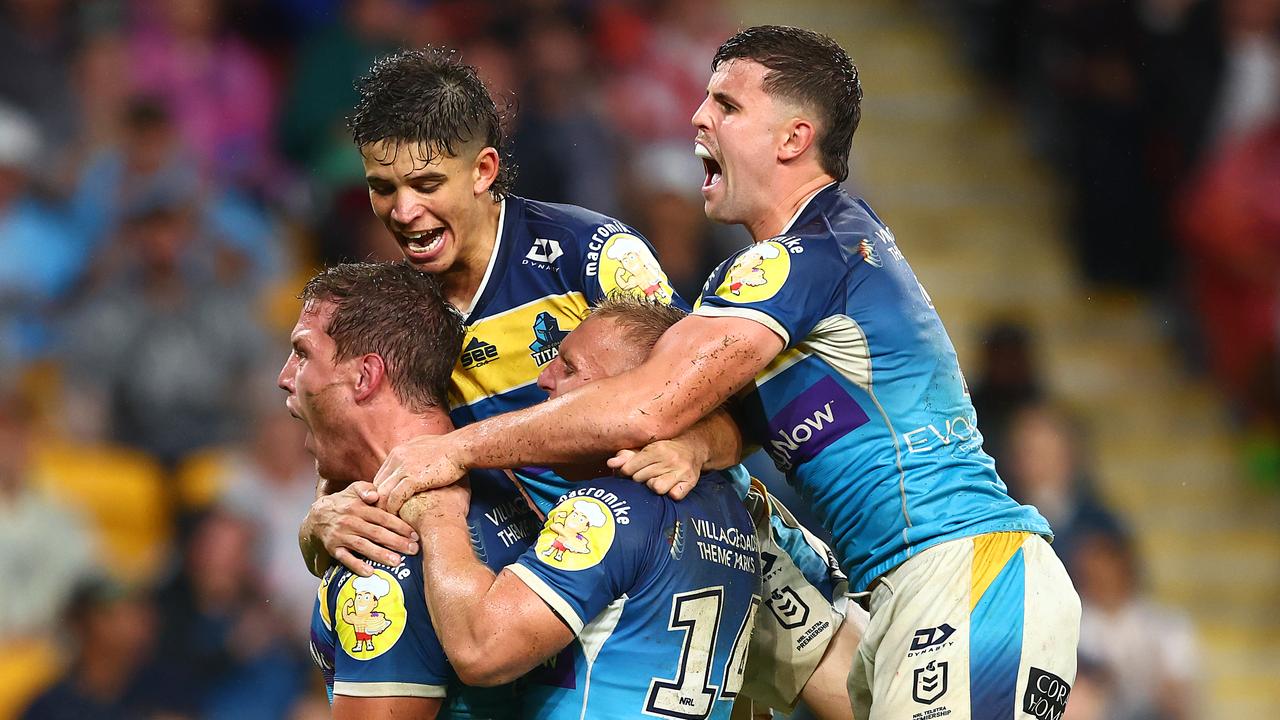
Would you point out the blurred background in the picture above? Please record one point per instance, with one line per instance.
(1090, 190)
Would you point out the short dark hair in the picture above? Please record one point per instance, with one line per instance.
(643, 321)
(399, 313)
(429, 97)
(810, 68)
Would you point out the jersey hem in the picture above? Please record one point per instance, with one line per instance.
(347, 688)
(557, 602)
(862, 582)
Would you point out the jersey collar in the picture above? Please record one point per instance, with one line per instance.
(805, 206)
(493, 260)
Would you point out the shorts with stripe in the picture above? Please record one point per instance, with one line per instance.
(804, 595)
(982, 628)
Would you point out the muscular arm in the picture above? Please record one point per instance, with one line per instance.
(493, 627)
(380, 708)
(696, 365)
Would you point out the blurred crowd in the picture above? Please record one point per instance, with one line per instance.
(1162, 118)
(171, 171)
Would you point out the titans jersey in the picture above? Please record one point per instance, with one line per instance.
(660, 594)
(866, 409)
(372, 637)
(550, 263)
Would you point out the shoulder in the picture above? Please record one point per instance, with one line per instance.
(571, 223)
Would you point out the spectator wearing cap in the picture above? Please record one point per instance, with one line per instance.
(42, 258)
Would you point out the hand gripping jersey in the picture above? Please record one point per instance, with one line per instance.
(550, 264)
(372, 637)
(661, 595)
(866, 409)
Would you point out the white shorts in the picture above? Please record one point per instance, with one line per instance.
(973, 629)
(803, 604)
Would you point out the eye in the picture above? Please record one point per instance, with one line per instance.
(378, 188)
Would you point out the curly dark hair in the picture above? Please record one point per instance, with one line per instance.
(809, 68)
(398, 312)
(430, 99)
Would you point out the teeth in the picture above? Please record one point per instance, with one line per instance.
(437, 236)
(715, 178)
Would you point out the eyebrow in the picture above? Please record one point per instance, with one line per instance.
(724, 97)
(426, 175)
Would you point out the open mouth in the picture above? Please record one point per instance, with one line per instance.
(421, 246)
(710, 166)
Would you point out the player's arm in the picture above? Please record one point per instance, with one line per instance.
(492, 626)
(379, 708)
(696, 365)
(674, 466)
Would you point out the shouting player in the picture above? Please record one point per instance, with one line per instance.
(524, 272)
(372, 353)
(661, 595)
(843, 372)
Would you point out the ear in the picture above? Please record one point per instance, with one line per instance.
(799, 137)
(485, 170)
(372, 375)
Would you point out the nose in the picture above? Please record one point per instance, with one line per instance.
(547, 379)
(699, 118)
(406, 208)
(285, 380)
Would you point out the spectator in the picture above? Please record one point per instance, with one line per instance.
(1150, 651)
(218, 90)
(1045, 468)
(48, 549)
(38, 36)
(110, 677)
(1010, 379)
(165, 345)
(219, 635)
(42, 257)
(271, 480)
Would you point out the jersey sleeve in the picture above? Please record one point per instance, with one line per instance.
(590, 552)
(386, 645)
(787, 284)
(620, 260)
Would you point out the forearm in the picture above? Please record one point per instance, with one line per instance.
(582, 426)
(719, 435)
(457, 585)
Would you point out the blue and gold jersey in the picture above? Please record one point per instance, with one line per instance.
(372, 637)
(866, 409)
(550, 264)
(660, 594)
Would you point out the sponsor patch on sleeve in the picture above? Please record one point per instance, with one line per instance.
(628, 266)
(757, 274)
(370, 615)
(577, 534)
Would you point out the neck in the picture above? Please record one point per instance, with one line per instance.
(773, 221)
(394, 426)
(462, 280)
